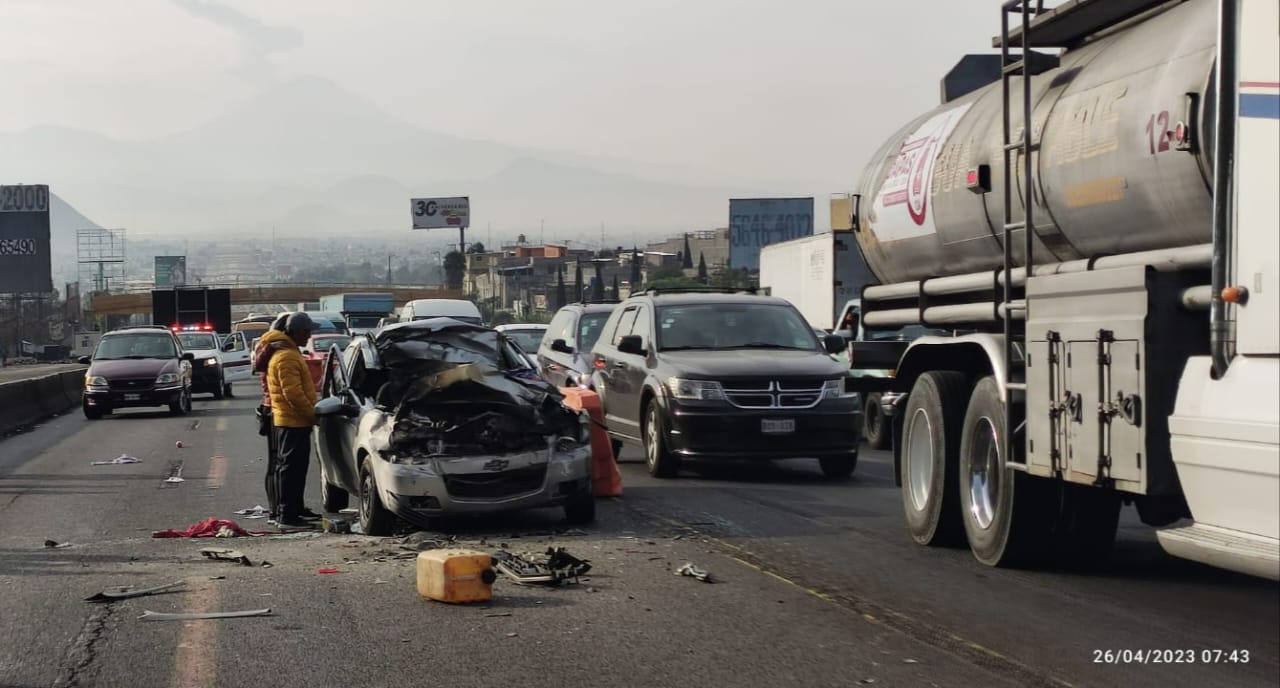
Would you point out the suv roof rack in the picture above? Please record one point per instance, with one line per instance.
(591, 302)
(659, 291)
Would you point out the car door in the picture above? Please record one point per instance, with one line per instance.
(612, 365)
(334, 433)
(236, 357)
(634, 368)
(555, 366)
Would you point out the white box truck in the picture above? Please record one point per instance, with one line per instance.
(819, 274)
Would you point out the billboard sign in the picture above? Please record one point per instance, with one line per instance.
(758, 222)
(440, 213)
(171, 271)
(25, 262)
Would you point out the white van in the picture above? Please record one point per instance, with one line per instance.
(458, 309)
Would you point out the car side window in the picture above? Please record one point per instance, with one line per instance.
(556, 330)
(642, 328)
(625, 323)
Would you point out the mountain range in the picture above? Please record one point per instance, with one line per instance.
(308, 157)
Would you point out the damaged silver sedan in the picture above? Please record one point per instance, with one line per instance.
(439, 417)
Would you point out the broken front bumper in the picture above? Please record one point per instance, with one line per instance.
(483, 484)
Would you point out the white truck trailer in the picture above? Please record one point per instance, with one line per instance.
(1138, 360)
(818, 274)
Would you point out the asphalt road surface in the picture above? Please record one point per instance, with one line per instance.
(818, 585)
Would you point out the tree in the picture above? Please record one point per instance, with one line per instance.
(561, 298)
(636, 277)
(597, 289)
(686, 259)
(616, 292)
(476, 248)
(577, 281)
(680, 282)
(702, 268)
(455, 266)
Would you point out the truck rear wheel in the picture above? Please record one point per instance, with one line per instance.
(1007, 515)
(930, 449)
(875, 423)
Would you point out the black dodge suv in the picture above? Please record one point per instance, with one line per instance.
(693, 374)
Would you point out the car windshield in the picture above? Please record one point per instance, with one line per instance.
(364, 322)
(733, 326)
(327, 342)
(135, 346)
(527, 340)
(198, 341)
(589, 327)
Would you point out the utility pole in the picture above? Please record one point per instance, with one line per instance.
(388, 269)
(542, 232)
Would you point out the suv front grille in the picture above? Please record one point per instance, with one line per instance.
(131, 384)
(774, 394)
(496, 485)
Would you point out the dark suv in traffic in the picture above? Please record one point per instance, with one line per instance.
(137, 367)
(564, 357)
(694, 374)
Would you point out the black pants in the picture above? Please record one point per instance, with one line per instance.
(291, 469)
(273, 455)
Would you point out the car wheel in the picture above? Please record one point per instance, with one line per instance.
(581, 509)
(374, 517)
(333, 498)
(90, 412)
(660, 461)
(931, 431)
(838, 467)
(875, 423)
(220, 391)
(182, 406)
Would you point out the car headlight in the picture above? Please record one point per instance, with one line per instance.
(835, 389)
(211, 361)
(167, 378)
(95, 381)
(700, 390)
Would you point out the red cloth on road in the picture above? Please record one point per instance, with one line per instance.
(210, 527)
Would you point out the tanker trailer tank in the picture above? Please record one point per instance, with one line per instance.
(1118, 168)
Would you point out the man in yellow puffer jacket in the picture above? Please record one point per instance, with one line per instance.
(293, 402)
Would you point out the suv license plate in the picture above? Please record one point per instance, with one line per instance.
(777, 427)
(133, 397)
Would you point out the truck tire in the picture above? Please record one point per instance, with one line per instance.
(874, 423)
(1008, 515)
(932, 424)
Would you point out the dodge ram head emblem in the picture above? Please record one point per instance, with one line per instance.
(497, 465)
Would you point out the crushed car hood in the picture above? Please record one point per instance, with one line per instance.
(451, 395)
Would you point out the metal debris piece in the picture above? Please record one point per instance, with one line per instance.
(349, 511)
(54, 544)
(558, 567)
(126, 592)
(119, 460)
(497, 614)
(694, 572)
(219, 554)
(339, 526)
(257, 511)
(161, 616)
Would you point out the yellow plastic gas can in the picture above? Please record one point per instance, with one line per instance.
(455, 575)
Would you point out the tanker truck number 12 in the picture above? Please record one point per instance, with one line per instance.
(1158, 133)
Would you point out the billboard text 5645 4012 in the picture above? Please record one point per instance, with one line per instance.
(25, 265)
(757, 222)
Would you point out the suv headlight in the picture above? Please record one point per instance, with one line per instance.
(95, 381)
(835, 389)
(699, 390)
(167, 378)
(211, 361)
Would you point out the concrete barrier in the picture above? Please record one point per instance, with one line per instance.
(23, 402)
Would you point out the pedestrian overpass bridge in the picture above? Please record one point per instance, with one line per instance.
(139, 302)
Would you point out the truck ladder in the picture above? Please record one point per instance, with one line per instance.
(1012, 65)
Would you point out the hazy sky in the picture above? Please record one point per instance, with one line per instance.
(744, 86)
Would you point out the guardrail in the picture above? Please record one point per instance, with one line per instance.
(30, 400)
(130, 303)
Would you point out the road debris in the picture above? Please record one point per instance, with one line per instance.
(257, 511)
(126, 592)
(161, 616)
(349, 511)
(210, 527)
(178, 444)
(217, 554)
(338, 526)
(119, 460)
(496, 615)
(175, 479)
(688, 569)
(325, 570)
(558, 567)
(54, 544)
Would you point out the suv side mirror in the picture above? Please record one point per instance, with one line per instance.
(632, 344)
(561, 346)
(834, 343)
(83, 360)
(188, 356)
